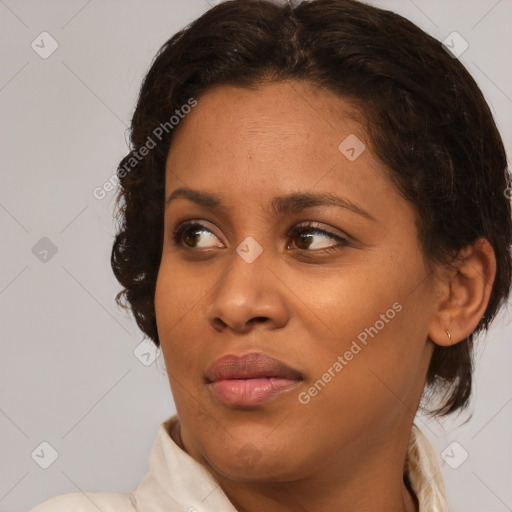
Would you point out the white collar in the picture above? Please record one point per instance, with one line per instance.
(423, 472)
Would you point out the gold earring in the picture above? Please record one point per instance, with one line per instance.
(449, 335)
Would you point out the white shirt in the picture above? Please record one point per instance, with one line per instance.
(178, 483)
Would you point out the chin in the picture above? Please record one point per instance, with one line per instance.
(259, 460)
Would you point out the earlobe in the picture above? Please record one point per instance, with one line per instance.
(442, 336)
(466, 294)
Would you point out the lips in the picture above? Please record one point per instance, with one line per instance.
(250, 380)
(250, 366)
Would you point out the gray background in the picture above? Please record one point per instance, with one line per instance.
(69, 375)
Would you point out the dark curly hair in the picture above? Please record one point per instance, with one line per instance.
(425, 117)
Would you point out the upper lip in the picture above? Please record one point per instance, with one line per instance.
(250, 366)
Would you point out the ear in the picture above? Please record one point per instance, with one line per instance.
(464, 291)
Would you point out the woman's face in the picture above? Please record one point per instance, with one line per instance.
(346, 303)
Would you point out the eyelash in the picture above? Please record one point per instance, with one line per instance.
(309, 227)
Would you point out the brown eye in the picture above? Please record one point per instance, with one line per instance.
(304, 238)
(188, 234)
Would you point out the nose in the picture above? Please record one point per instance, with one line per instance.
(246, 295)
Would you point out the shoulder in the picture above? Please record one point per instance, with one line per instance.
(87, 502)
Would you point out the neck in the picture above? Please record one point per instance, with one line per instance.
(365, 479)
(286, 498)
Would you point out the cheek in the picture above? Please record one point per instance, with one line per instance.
(371, 382)
(175, 304)
(338, 307)
(166, 302)
(177, 295)
(378, 328)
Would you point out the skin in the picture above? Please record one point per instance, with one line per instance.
(345, 449)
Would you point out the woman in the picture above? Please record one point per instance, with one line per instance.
(313, 228)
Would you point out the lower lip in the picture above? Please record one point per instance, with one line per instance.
(250, 392)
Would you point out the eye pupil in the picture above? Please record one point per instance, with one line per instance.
(187, 236)
(304, 238)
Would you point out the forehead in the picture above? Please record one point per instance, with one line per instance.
(281, 137)
(288, 112)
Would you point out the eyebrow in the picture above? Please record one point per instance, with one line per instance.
(290, 203)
